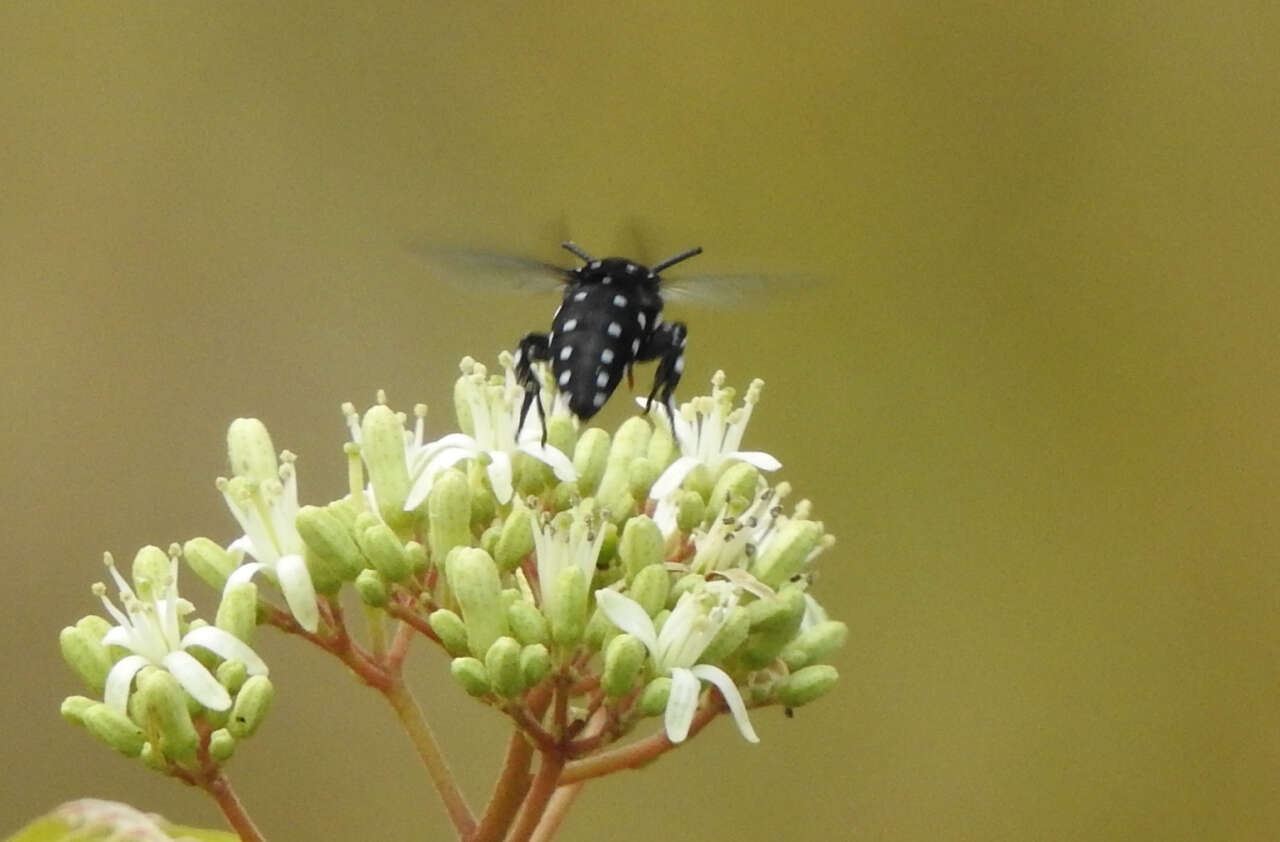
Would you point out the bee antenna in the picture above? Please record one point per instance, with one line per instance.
(571, 246)
(672, 261)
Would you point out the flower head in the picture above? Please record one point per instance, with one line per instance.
(492, 410)
(709, 431)
(150, 627)
(698, 616)
(572, 540)
(266, 506)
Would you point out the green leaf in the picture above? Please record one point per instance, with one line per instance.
(93, 820)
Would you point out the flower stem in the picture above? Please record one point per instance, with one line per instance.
(539, 795)
(219, 787)
(415, 724)
(557, 808)
(508, 792)
(633, 755)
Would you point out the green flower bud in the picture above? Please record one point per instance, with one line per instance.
(382, 446)
(785, 554)
(238, 610)
(251, 706)
(777, 612)
(535, 663)
(502, 664)
(650, 588)
(700, 480)
(489, 539)
(372, 588)
(150, 572)
(470, 675)
(599, 630)
(561, 433)
(814, 643)
(736, 488)
(662, 447)
(527, 623)
(623, 658)
(331, 541)
(807, 684)
(449, 513)
(232, 675)
(684, 583)
(450, 629)
(530, 476)
(114, 728)
(221, 745)
(209, 561)
(515, 541)
(569, 614)
(608, 547)
(773, 625)
(87, 657)
(250, 451)
(691, 509)
(385, 551)
(731, 635)
(74, 707)
(94, 626)
(416, 554)
(154, 758)
(164, 707)
(473, 578)
(484, 502)
(565, 495)
(641, 475)
(653, 699)
(614, 492)
(589, 458)
(641, 545)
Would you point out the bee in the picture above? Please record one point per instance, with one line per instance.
(609, 320)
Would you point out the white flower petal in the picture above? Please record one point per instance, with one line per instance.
(499, 472)
(625, 613)
(197, 680)
(226, 645)
(299, 593)
(758, 458)
(123, 636)
(672, 477)
(444, 459)
(560, 464)
(243, 573)
(120, 678)
(732, 697)
(681, 704)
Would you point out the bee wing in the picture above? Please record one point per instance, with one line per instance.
(718, 291)
(475, 269)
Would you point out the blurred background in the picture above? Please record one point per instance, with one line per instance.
(1020, 347)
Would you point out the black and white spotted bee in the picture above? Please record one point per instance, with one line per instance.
(610, 319)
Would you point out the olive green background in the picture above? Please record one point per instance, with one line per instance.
(1019, 341)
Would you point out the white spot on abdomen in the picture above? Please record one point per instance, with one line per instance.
(619, 301)
(566, 351)
(606, 356)
(615, 329)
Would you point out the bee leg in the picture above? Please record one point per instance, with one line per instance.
(533, 348)
(667, 342)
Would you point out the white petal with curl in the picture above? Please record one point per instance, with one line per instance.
(625, 613)
(760, 459)
(299, 593)
(226, 645)
(197, 681)
(499, 472)
(444, 459)
(672, 477)
(560, 464)
(681, 704)
(120, 678)
(732, 697)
